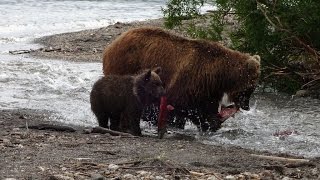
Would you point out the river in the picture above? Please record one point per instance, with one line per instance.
(63, 87)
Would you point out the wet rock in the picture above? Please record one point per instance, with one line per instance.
(87, 131)
(302, 93)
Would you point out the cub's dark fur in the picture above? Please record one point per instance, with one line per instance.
(118, 100)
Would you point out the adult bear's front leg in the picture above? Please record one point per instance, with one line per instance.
(209, 117)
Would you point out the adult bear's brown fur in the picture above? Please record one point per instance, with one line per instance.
(196, 72)
(122, 98)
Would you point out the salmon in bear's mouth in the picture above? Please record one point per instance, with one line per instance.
(227, 112)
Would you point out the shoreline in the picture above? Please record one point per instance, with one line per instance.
(47, 154)
(85, 45)
(54, 154)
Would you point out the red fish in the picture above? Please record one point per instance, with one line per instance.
(227, 112)
(163, 115)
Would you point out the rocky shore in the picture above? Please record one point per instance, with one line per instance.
(30, 151)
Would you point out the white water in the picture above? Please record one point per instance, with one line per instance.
(63, 87)
(270, 114)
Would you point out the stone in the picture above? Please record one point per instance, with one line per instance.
(129, 176)
(113, 167)
(230, 177)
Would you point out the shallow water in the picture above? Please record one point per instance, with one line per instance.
(275, 122)
(63, 87)
(57, 86)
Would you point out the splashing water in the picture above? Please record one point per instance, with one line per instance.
(57, 86)
(272, 114)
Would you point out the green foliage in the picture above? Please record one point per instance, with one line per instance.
(283, 32)
(178, 10)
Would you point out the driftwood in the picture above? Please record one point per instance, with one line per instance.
(300, 164)
(275, 158)
(20, 52)
(102, 130)
(25, 51)
(52, 127)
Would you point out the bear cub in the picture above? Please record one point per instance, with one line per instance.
(117, 101)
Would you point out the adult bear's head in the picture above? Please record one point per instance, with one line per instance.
(251, 72)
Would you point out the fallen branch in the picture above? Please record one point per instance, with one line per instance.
(20, 52)
(106, 152)
(141, 167)
(275, 158)
(310, 82)
(300, 164)
(102, 130)
(25, 51)
(130, 162)
(52, 127)
(50, 49)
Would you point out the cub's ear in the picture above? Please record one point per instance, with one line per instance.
(157, 70)
(147, 75)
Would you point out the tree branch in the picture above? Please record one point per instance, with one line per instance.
(307, 47)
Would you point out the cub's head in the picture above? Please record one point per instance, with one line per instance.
(148, 85)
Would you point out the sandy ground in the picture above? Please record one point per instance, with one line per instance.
(29, 153)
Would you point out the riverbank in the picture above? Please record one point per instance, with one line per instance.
(46, 154)
(87, 45)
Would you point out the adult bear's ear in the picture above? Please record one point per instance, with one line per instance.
(157, 70)
(147, 75)
(257, 58)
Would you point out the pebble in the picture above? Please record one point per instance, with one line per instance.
(249, 175)
(314, 171)
(286, 178)
(113, 167)
(159, 178)
(143, 173)
(212, 178)
(128, 176)
(230, 177)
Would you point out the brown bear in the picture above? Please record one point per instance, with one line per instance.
(122, 98)
(196, 73)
